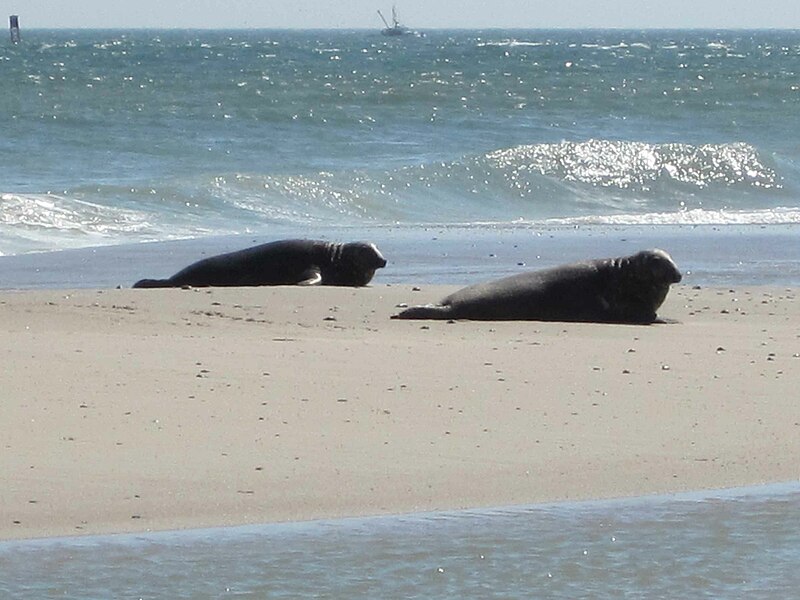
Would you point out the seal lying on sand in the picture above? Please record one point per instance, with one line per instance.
(613, 290)
(285, 262)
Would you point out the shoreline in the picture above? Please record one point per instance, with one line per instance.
(758, 492)
(137, 410)
(708, 255)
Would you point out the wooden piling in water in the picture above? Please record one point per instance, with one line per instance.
(14, 23)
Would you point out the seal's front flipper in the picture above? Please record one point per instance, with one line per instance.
(310, 276)
(666, 321)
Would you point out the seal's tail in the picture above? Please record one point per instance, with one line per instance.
(428, 311)
(152, 283)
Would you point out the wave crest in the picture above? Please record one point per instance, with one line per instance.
(638, 165)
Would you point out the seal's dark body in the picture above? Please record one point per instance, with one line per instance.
(284, 262)
(616, 290)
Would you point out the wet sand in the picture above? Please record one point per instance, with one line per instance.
(133, 410)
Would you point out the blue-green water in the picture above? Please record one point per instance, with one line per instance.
(739, 544)
(112, 137)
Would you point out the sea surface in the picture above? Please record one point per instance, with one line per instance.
(742, 543)
(464, 155)
(112, 138)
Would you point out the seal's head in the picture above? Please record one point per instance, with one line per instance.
(358, 262)
(647, 276)
(657, 266)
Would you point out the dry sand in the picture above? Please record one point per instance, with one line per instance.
(132, 410)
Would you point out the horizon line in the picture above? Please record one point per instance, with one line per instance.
(412, 29)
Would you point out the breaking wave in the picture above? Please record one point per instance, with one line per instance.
(636, 165)
(565, 183)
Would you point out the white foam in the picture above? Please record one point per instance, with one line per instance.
(774, 216)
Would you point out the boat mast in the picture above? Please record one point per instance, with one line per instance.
(380, 14)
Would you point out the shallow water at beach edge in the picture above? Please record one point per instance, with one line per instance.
(735, 543)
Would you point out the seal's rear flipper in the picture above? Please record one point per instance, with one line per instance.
(153, 283)
(428, 311)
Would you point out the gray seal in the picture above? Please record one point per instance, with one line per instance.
(628, 289)
(284, 262)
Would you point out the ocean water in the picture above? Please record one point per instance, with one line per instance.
(742, 543)
(465, 155)
(117, 137)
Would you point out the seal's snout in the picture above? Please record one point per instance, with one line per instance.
(379, 261)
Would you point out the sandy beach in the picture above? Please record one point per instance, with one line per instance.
(133, 410)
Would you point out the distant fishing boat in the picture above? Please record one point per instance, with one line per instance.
(395, 28)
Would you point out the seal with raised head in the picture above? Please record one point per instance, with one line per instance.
(613, 290)
(284, 262)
